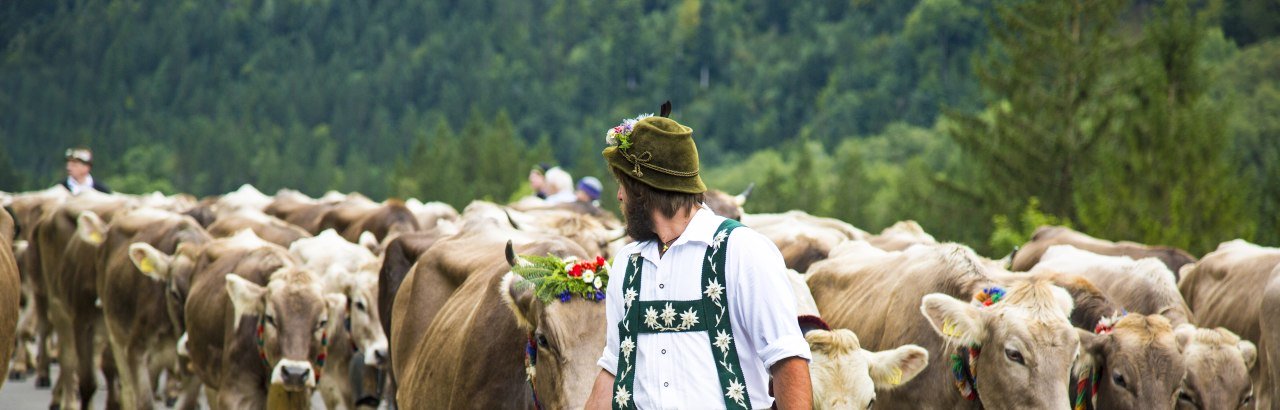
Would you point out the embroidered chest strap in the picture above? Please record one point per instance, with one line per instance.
(710, 313)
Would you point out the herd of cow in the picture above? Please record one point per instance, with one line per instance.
(260, 301)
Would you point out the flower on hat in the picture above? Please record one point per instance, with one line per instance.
(620, 136)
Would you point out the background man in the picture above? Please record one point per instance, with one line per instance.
(79, 163)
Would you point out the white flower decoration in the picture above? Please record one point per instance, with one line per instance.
(588, 276)
(569, 262)
(735, 391)
(622, 396)
(668, 314)
(722, 340)
(530, 372)
(688, 318)
(719, 239)
(651, 317)
(629, 297)
(626, 347)
(597, 283)
(714, 290)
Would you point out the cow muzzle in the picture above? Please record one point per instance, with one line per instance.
(294, 375)
(376, 355)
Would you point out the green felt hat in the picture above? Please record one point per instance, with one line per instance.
(658, 152)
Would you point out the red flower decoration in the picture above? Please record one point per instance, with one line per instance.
(599, 262)
(576, 270)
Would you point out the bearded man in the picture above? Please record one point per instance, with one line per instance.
(703, 315)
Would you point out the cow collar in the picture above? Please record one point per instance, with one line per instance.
(1087, 384)
(966, 357)
(530, 372)
(262, 350)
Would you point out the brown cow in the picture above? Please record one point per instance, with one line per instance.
(431, 214)
(1029, 343)
(1218, 365)
(728, 206)
(900, 236)
(1143, 286)
(356, 217)
(259, 328)
(10, 291)
(802, 238)
(142, 336)
(1237, 287)
(265, 226)
(1029, 254)
(34, 327)
(589, 232)
(472, 353)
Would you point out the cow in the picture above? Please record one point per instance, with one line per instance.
(350, 270)
(589, 232)
(142, 336)
(267, 227)
(728, 206)
(382, 220)
(246, 197)
(1144, 286)
(10, 291)
(431, 214)
(1017, 353)
(844, 376)
(474, 352)
(900, 236)
(1046, 236)
(34, 327)
(303, 211)
(1237, 287)
(259, 330)
(802, 238)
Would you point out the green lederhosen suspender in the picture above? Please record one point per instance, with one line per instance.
(709, 314)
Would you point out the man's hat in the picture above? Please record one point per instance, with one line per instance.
(80, 154)
(656, 151)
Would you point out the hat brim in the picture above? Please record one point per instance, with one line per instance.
(652, 178)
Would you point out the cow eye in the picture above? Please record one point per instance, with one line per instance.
(542, 341)
(360, 306)
(871, 404)
(1015, 356)
(322, 324)
(1186, 398)
(1246, 400)
(1118, 379)
(271, 320)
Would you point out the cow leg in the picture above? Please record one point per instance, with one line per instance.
(189, 397)
(134, 376)
(23, 357)
(111, 376)
(44, 332)
(82, 352)
(1268, 362)
(66, 393)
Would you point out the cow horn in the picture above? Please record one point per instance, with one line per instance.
(741, 199)
(665, 110)
(512, 259)
(511, 220)
(616, 234)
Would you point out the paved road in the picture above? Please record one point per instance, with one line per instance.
(23, 395)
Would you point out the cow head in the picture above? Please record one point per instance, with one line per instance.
(361, 317)
(1218, 365)
(568, 340)
(1137, 362)
(293, 315)
(846, 377)
(1027, 344)
(174, 271)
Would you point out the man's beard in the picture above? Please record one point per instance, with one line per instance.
(639, 221)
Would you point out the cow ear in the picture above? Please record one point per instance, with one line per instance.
(90, 228)
(337, 304)
(819, 340)
(150, 261)
(246, 297)
(1250, 353)
(369, 241)
(1183, 334)
(1092, 347)
(891, 368)
(517, 294)
(956, 321)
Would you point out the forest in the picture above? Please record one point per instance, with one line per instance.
(1145, 120)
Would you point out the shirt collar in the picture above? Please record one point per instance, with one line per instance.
(76, 186)
(700, 229)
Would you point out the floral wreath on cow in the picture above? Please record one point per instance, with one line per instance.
(554, 278)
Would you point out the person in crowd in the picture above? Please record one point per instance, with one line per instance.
(588, 192)
(559, 187)
(538, 180)
(79, 165)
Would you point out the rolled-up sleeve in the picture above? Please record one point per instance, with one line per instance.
(613, 311)
(765, 303)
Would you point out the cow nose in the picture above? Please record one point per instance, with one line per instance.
(295, 375)
(380, 355)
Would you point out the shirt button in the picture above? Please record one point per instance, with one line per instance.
(666, 384)
(660, 286)
(664, 351)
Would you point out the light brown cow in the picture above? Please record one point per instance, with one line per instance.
(10, 291)
(1218, 365)
(589, 232)
(351, 270)
(1028, 343)
(1046, 236)
(802, 238)
(1237, 287)
(142, 336)
(431, 214)
(34, 327)
(265, 226)
(728, 206)
(268, 291)
(1143, 286)
(471, 355)
(354, 218)
(900, 236)
(844, 375)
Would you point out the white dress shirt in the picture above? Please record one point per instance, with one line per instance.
(76, 187)
(676, 370)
